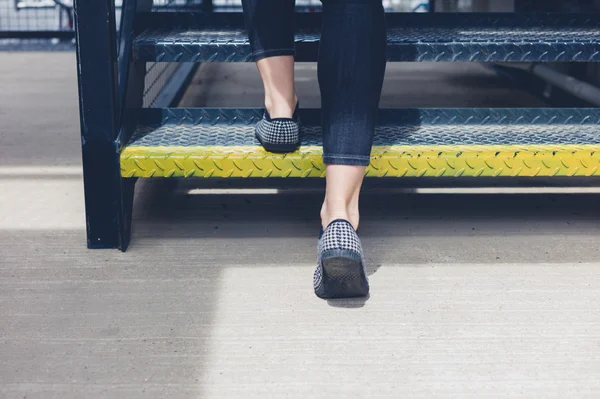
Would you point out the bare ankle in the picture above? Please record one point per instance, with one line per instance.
(281, 107)
(331, 212)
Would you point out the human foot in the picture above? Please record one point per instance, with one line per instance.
(340, 269)
(279, 134)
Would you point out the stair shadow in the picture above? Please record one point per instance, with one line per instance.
(400, 225)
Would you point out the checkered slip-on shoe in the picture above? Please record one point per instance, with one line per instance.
(279, 134)
(340, 263)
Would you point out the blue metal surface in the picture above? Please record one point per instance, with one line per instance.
(197, 37)
(235, 127)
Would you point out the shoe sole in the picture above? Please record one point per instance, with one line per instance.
(278, 148)
(343, 278)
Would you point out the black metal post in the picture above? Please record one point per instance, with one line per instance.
(207, 6)
(131, 91)
(99, 106)
(524, 5)
(539, 5)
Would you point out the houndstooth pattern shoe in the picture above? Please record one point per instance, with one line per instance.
(340, 263)
(279, 134)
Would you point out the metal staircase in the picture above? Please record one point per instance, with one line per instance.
(122, 141)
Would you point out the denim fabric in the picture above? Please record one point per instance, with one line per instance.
(351, 66)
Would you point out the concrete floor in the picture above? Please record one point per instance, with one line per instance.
(475, 293)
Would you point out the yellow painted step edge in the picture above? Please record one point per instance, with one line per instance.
(386, 161)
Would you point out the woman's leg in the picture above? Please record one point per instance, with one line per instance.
(352, 61)
(278, 79)
(270, 25)
(341, 194)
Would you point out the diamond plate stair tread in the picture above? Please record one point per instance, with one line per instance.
(195, 128)
(227, 136)
(410, 38)
(408, 143)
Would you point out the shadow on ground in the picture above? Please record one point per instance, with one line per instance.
(400, 225)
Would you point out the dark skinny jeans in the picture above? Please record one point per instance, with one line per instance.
(351, 66)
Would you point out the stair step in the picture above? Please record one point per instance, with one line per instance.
(197, 142)
(198, 37)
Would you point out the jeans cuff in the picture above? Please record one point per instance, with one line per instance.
(354, 160)
(260, 54)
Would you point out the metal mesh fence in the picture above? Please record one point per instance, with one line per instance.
(34, 15)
